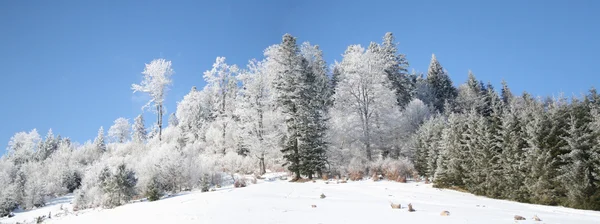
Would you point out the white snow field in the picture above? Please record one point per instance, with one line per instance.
(352, 202)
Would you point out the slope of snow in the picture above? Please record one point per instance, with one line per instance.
(55, 208)
(354, 202)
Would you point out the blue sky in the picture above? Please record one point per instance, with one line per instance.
(69, 65)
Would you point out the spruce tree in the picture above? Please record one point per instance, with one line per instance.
(47, 147)
(579, 164)
(288, 71)
(541, 165)
(396, 69)
(312, 109)
(427, 146)
(99, 142)
(512, 142)
(422, 90)
(470, 96)
(440, 84)
(139, 134)
(451, 160)
(173, 121)
(507, 95)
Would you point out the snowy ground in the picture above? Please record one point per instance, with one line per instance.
(353, 202)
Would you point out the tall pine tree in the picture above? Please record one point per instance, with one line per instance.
(440, 84)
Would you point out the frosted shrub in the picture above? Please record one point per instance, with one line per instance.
(240, 182)
(376, 167)
(356, 169)
(398, 170)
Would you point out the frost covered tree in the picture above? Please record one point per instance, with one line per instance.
(173, 120)
(47, 147)
(138, 130)
(540, 178)
(313, 108)
(335, 78)
(512, 141)
(119, 132)
(579, 172)
(451, 159)
(221, 88)
(440, 84)
(507, 95)
(470, 96)
(34, 190)
(99, 142)
(118, 185)
(364, 99)
(426, 144)
(422, 90)
(22, 146)
(157, 78)
(413, 116)
(283, 60)
(194, 113)
(396, 68)
(259, 118)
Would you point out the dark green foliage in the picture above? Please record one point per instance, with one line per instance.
(153, 190)
(396, 70)
(205, 183)
(71, 181)
(7, 205)
(286, 84)
(522, 149)
(118, 187)
(303, 95)
(441, 86)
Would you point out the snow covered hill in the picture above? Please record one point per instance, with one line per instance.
(353, 202)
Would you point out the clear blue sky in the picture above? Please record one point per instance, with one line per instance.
(69, 65)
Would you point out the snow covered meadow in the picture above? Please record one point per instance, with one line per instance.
(284, 202)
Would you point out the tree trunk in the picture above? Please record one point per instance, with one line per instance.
(296, 158)
(159, 121)
(263, 169)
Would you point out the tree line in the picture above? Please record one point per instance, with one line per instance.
(364, 116)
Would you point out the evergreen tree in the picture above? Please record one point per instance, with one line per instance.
(335, 78)
(427, 146)
(541, 165)
(47, 147)
(507, 95)
(579, 169)
(312, 110)
(194, 114)
(99, 142)
(396, 69)
(139, 130)
(451, 160)
(118, 187)
(512, 142)
(440, 84)
(286, 64)
(422, 90)
(173, 121)
(470, 96)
